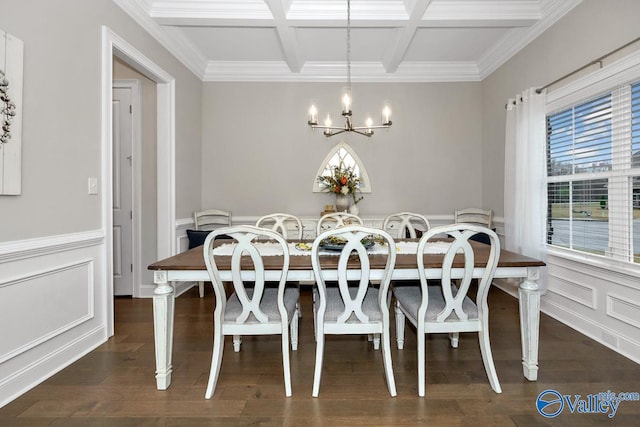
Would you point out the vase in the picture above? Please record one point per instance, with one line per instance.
(354, 209)
(342, 203)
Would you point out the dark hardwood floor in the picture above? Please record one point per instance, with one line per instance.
(115, 385)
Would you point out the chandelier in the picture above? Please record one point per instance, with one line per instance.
(367, 129)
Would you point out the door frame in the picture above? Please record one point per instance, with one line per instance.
(136, 179)
(114, 45)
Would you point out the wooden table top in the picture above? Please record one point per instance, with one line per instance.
(193, 259)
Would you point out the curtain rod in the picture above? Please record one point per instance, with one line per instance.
(595, 61)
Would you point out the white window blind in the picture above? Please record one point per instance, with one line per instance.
(593, 165)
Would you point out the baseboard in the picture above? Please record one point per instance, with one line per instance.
(35, 373)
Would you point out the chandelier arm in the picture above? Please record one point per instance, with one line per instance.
(372, 127)
(368, 134)
(328, 134)
(330, 127)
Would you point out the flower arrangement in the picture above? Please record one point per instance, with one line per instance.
(342, 180)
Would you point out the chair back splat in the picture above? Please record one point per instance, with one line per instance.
(474, 216)
(289, 226)
(354, 306)
(337, 219)
(406, 224)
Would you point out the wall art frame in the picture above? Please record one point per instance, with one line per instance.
(11, 82)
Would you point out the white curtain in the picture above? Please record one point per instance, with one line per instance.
(525, 189)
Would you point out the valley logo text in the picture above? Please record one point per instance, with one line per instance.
(550, 403)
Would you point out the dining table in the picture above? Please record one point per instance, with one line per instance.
(189, 266)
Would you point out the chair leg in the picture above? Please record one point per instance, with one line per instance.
(399, 327)
(455, 338)
(313, 307)
(285, 359)
(421, 363)
(388, 366)
(487, 359)
(319, 355)
(294, 332)
(237, 340)
(201, 289)
(376, 341)
(216, 362)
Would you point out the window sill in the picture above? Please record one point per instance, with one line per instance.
(602, 262)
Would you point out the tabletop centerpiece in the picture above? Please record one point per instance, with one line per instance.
(342, 181)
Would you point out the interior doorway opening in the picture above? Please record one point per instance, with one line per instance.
(115, 46)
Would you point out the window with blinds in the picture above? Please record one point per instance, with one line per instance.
(593, 174)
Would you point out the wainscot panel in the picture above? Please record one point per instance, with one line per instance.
(602, 302)
(53, 302)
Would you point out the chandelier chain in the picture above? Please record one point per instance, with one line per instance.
(349, 44)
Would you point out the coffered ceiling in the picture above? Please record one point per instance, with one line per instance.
(306, 40)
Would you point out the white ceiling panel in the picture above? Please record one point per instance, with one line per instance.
(452, 44)
(235, 44)
(329, 44)
(305, 40)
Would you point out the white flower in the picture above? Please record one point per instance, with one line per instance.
(344, 190)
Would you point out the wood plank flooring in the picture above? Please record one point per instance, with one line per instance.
(115, 385)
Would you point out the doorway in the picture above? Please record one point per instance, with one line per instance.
(113, 45)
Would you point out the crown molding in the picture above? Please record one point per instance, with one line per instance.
(371, 72)
(207, 9)
(337, 10)
(516, 39)
(169, 38)
(503, 13)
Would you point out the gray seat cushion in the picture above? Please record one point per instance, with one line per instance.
(268, 305)
(409, 298)
(335, 306)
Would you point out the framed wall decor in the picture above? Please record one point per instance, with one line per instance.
(11, 63)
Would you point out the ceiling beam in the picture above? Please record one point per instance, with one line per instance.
(396, 53)
(286, 34)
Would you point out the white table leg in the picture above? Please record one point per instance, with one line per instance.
(530, 323)
(163, 308)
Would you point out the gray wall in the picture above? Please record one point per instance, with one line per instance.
(62, 111)
(592, 29)
(259, 155)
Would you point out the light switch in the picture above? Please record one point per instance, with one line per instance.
(93, 185)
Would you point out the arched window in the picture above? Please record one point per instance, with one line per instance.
(345, 154)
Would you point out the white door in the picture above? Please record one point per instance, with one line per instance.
(122, 192)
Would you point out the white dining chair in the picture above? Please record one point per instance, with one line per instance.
(350, 307)
(282, 223)
(448, 307)
(403, 223)
(252, 308)
(208, 220)
(474, 216)
(336, 219)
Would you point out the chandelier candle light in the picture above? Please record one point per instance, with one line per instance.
(347, 100)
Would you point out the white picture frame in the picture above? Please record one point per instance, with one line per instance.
(11, 79)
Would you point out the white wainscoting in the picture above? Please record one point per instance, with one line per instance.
(595, 297)
(52, 307)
